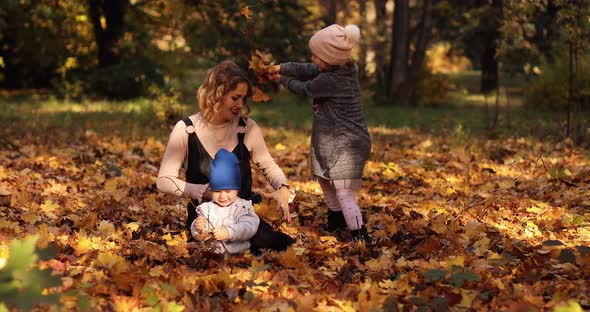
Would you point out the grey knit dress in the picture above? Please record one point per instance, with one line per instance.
(340, 141)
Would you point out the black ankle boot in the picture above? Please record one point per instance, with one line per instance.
(362, 234)
(336, 221)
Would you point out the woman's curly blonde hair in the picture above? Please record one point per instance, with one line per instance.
(220, 80)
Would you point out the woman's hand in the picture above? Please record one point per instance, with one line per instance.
(206, 195)
(221, 234)
(281, 196)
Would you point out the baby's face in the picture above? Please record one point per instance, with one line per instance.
(224, 198)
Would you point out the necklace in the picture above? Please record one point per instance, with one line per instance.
(225, 131)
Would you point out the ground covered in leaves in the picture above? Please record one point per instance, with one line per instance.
(459, 224)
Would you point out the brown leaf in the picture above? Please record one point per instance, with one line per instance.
(245, 11)
(259, 96)
(428, 246)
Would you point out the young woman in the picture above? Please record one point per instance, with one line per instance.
(220, 123)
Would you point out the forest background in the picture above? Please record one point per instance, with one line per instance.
(476, 190)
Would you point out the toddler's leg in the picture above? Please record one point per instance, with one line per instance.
(336, 220)
(330, 195)
(350, 209)
(352, 214)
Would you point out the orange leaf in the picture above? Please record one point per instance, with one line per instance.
(245, 11)
(259, 96)
(265, 57)
(289, 258)
(427, 246)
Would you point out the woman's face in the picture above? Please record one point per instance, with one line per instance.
(232, 104)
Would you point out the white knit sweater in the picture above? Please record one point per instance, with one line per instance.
(239, 218)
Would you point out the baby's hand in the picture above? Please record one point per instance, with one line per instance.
(221, 234)
(201, 224)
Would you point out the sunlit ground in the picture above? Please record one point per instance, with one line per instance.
(492, 222)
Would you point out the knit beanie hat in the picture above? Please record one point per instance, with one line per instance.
(224, 173)
(334, 43)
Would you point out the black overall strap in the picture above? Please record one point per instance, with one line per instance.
(265, 237)
(243, 155)
(192, 175)
(241, 136)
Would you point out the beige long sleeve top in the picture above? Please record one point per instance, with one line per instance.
(213, 137)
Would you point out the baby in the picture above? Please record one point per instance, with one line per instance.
(230, 219)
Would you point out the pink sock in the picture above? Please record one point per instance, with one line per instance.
(350, 209)
(329, 195)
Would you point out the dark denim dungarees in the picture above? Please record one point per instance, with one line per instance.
(197, 172)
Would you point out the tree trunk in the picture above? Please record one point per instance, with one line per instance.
(407, 94)
(490, 24)
(108, 37)
(13, 78)
(363, 43)
(576, 130)
(331, 11)
(545, 29)
(496, 108)
(570, 91)
(399, 47)
(380, 46)
(498, 14)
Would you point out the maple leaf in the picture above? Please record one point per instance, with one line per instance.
(45, 236)
(105, 227)
(289, 258)
(111, 261)
(259, 95)
(246, 12)
(124, 303)
(49, 207)
(4, 190)
(82, 246)
(427, 246)
(3, 174)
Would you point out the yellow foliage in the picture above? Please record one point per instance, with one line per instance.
(111, 262)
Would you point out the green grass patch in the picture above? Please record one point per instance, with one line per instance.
(138, 118)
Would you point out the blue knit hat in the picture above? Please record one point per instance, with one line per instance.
(225, 172)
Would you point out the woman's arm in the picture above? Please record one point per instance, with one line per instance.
(261, 156)
(273, 173)
(300, 71)
(168, 177)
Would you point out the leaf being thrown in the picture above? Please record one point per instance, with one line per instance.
(259, 95)
(246, 12)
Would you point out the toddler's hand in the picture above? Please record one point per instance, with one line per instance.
(221, 234)
(201, 224)
(274, 69)
(274, 73)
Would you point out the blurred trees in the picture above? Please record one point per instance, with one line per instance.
(119, 48)
(108, 21)
(218, 30)
(37, 38)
